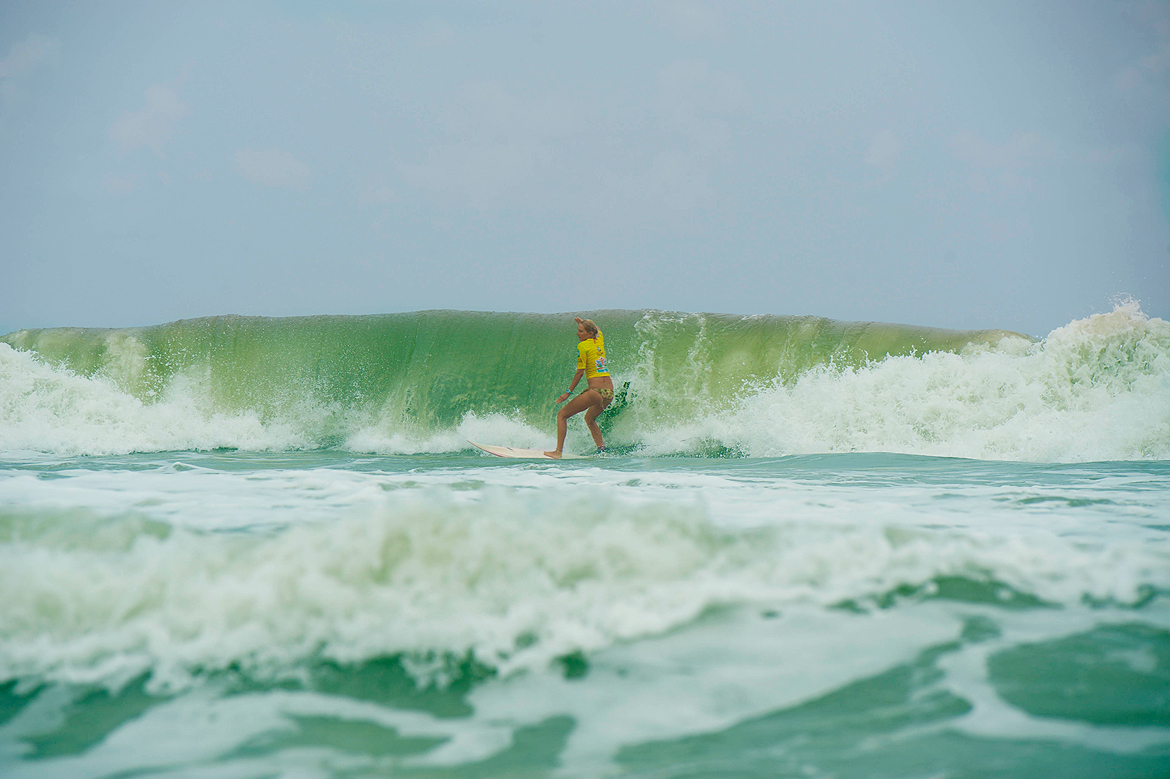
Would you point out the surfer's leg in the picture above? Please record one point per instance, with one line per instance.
(570, 409)
(562, 430)
(591, 422)
(602, 398)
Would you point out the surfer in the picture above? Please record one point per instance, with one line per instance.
(597, 395)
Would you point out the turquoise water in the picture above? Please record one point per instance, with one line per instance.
(246, 548)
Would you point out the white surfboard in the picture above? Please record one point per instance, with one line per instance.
(522, 454)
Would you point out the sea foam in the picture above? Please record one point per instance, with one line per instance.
(509, 577)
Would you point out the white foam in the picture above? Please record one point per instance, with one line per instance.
(49, 409)
(514, 576)
(1097, 389)
(498, 429)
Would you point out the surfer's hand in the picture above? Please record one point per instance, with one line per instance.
(564, 396)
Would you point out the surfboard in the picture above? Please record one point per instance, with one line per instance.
(522, 454)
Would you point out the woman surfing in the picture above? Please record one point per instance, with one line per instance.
(597, 395)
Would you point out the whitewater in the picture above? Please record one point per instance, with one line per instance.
(250, 547)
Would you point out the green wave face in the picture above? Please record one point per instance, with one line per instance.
(425, 371)
(701, 363)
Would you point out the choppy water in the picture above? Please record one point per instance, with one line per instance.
(231, 555)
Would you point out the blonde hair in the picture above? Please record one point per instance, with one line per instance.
(589, 326)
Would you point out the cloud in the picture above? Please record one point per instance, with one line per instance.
(29, 54)
(273, 168)
(153, 124)
(1146, 71)
(24, 57)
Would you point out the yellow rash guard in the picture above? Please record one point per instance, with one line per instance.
(591, 356)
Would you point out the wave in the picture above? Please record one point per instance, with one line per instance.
(513, 580)
(693, 384)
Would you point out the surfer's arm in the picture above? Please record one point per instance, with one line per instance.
(576, 378)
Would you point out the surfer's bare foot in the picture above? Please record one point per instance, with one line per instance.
(555, 455)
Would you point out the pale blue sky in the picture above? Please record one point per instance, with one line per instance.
(951, 164)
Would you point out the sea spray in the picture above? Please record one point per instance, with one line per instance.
(1096, 389)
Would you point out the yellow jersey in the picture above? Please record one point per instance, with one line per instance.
(591, 356)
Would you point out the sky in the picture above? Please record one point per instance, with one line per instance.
(951, 164)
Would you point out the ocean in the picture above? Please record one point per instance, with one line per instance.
(250, 548)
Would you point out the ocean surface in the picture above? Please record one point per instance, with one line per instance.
(253, 548)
